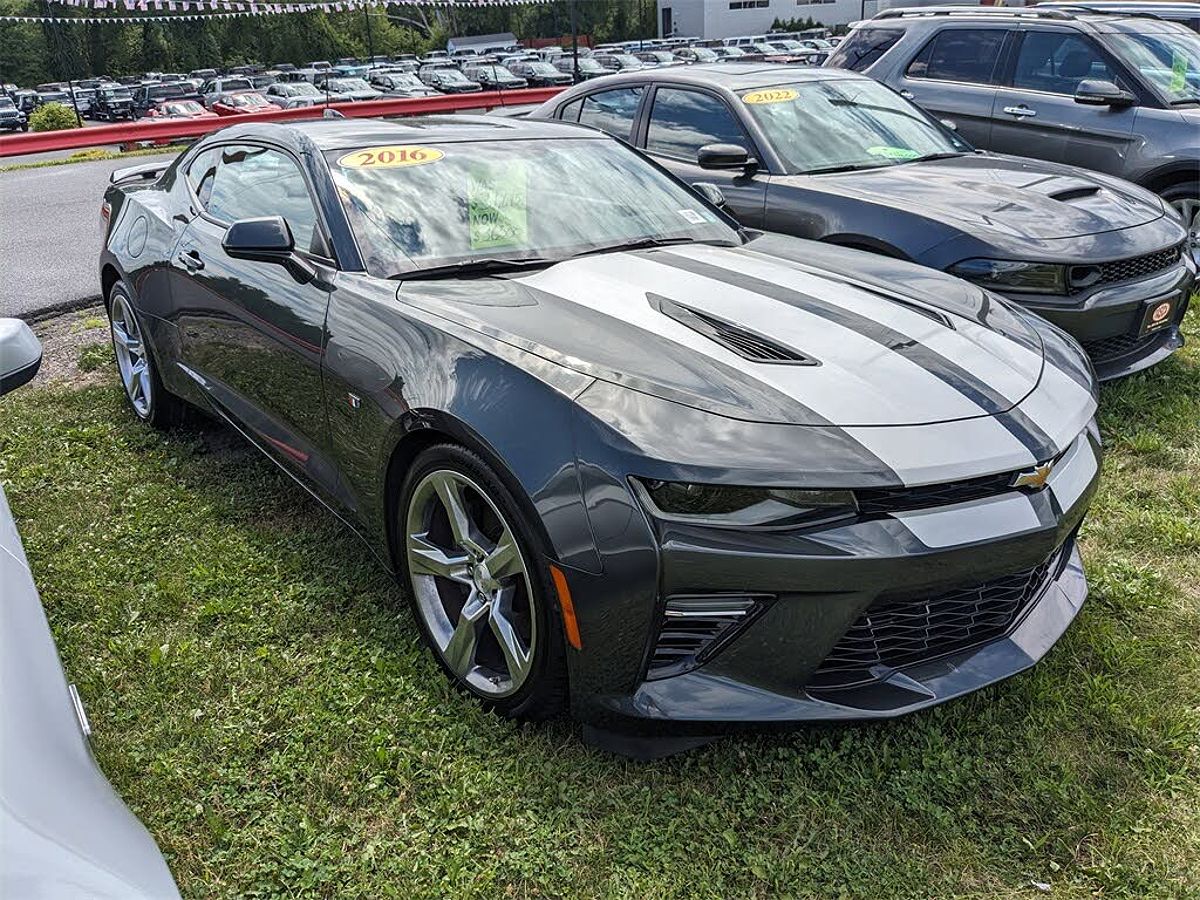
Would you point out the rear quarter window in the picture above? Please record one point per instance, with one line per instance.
(864, 47)
(960, 54)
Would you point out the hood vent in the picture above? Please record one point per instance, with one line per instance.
(745, 343)
(1074, 193)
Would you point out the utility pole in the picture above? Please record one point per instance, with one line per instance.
(575, 39)
(370, 39)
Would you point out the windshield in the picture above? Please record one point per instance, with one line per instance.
(5, 103)
(118, 94)
(302, 89)
(348, 84)
(184, 108)
(407, 81)
(627, 62)
(416, 207)
(449, 75)
(1170, 61)
(821, 125)
(542, 68)
(167, 90)
(704, 54)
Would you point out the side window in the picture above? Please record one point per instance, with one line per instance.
(612, 111)
(1056, 61)
(570, 112)
(959, 54)
(252, 182)
(201, 173)
(683, 121)
(863, 47)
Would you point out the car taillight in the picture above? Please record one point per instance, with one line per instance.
(105, 213)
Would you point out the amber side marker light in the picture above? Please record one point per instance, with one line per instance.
(567, 606)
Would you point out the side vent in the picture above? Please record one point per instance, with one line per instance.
(745, 343)
(695, 627)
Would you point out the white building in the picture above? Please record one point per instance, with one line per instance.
(715, 19)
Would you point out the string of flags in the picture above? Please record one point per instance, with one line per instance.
(227, 9)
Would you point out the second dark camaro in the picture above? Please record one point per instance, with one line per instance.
(637, 462)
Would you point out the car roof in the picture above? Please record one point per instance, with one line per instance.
(733, 75)
(345, 134)
(1130, 17)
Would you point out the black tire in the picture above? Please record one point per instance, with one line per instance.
(1186, 193)
(543, 693)
(162, 409)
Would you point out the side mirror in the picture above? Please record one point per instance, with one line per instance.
(726, 156)
(20, 354)
(268, 239)
(710, 192)
(1096, 92)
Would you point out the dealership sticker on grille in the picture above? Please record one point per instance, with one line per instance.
(393, 157)
(776, 95)
(1158, 315)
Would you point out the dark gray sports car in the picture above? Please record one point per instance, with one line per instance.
(837, 157)
(633, 458)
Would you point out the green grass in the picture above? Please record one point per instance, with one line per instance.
(92, 155)
(261, 701)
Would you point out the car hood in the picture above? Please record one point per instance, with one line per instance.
(669, 322)
(1004, 195)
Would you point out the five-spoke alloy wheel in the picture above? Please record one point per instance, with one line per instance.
(133, 362)
(476, 589)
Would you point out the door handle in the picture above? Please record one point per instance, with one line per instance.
(191, 260)
(1021, 111)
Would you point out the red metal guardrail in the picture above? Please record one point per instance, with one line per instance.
(158, 130)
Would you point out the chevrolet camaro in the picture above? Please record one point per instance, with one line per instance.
(628, 458)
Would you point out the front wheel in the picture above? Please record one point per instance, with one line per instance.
(478, 584)
(1186, 200)
(144, 389)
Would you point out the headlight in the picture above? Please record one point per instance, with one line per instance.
(1014, 275)
(743, 507)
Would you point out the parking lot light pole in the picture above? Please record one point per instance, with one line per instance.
(575, 40)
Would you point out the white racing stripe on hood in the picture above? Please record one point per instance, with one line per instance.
(932, 454)
(859, 382)
(1060, 406)
(1005, 365)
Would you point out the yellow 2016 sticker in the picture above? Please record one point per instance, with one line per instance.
(773, 95)
(390, 157)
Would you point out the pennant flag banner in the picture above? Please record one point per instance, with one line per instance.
(235, 9)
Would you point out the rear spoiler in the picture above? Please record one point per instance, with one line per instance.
(144, 172)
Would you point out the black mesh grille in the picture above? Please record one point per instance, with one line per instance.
(899, 632)
(1110, 348)
(880, 501)
(1138, 266)
(693, 628)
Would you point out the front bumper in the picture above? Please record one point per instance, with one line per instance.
(821, 585)
(1107, 321)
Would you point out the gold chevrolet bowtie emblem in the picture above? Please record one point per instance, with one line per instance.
(1035, 478)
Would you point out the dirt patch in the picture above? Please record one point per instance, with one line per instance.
(76, 349)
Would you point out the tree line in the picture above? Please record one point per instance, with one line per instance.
(33, 53)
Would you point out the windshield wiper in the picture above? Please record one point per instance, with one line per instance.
(485, 266)
(930, 157)
(1183, 100)
(649, 243)
(849, 167)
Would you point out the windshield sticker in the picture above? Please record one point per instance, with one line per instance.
(774, 95)
(1179, 67)
(497, 200)
(692, 216)
(893, 152)
(390, 157)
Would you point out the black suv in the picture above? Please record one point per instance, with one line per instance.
(113, 102)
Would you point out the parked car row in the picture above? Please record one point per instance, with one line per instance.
(287, 86)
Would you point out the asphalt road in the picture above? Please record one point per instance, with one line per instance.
(50, 235)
